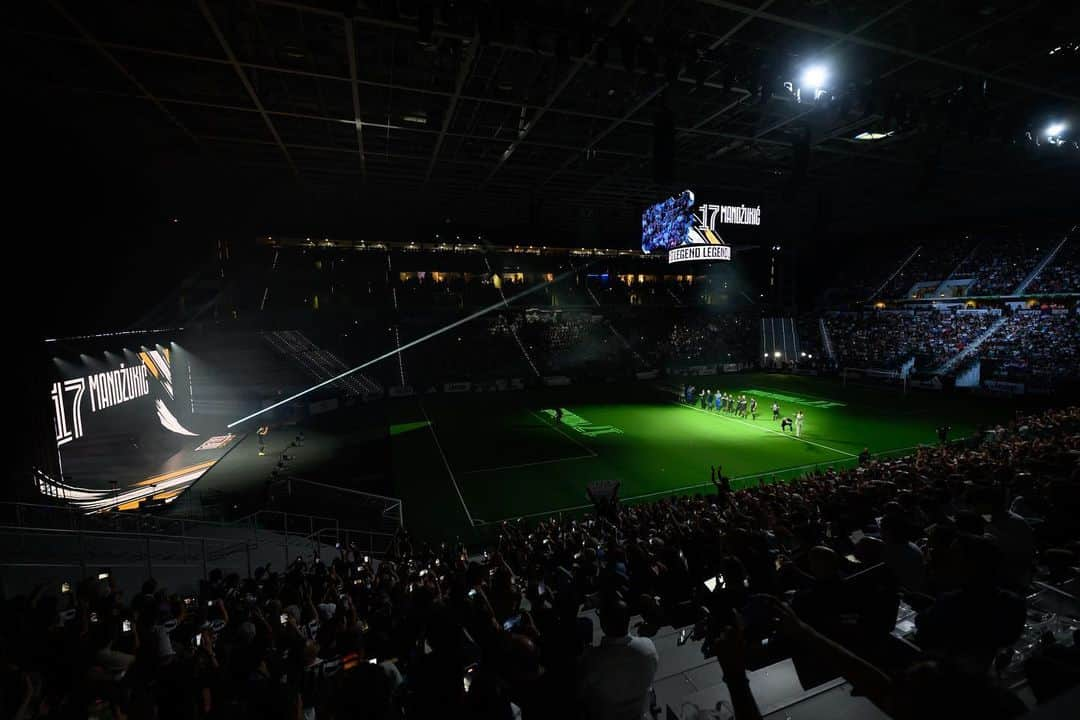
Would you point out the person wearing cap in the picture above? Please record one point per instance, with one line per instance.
(614, 678)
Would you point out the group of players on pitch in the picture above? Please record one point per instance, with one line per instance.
(740, 406)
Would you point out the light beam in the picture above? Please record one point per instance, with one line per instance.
(406, 346)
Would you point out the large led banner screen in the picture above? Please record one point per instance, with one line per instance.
(125, 429)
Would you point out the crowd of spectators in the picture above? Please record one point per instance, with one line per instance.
(1033, 341)
(956, 531)
(1062, 275)
(882, 340)
(708, 339)
(994, 265)
(935, 260)
(886, 340)
(1000, 264)
(566, 341)
(1041, 341)
(947, 335)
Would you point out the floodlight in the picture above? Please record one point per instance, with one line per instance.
(1055, 129)
(815, 77)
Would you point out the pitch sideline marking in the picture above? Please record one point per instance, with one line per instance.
(672, 491)
(554, 426)
(766, 429)
(446, 463)
(669, 491)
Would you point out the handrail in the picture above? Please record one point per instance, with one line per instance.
(379, 533)
(252, 517)
(371, 535)
(113, 534)
(351, 491)
(148, 527)
(147, 521)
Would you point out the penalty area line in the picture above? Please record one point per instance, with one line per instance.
(766, 429)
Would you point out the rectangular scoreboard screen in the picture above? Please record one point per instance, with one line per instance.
(687, 230)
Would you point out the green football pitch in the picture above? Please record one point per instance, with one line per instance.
(467, 460)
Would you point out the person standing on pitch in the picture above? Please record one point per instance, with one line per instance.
(775, 411)
(753, 408)
(798, 423)
(719, 402)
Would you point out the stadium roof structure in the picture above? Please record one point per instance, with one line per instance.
(547, 110)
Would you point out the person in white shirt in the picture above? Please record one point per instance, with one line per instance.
(799, 423)
(614, 678)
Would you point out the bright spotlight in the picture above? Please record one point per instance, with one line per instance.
(1055, 129)
(776, 354)
(815, 77)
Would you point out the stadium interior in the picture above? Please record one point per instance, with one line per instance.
(623, 359)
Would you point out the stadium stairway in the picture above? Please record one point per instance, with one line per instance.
(1039, 267)
(320, 364)
(687, 682)
(950, 364)
(970, 376)
(897, 271)
(826, 341)
(940, 289)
